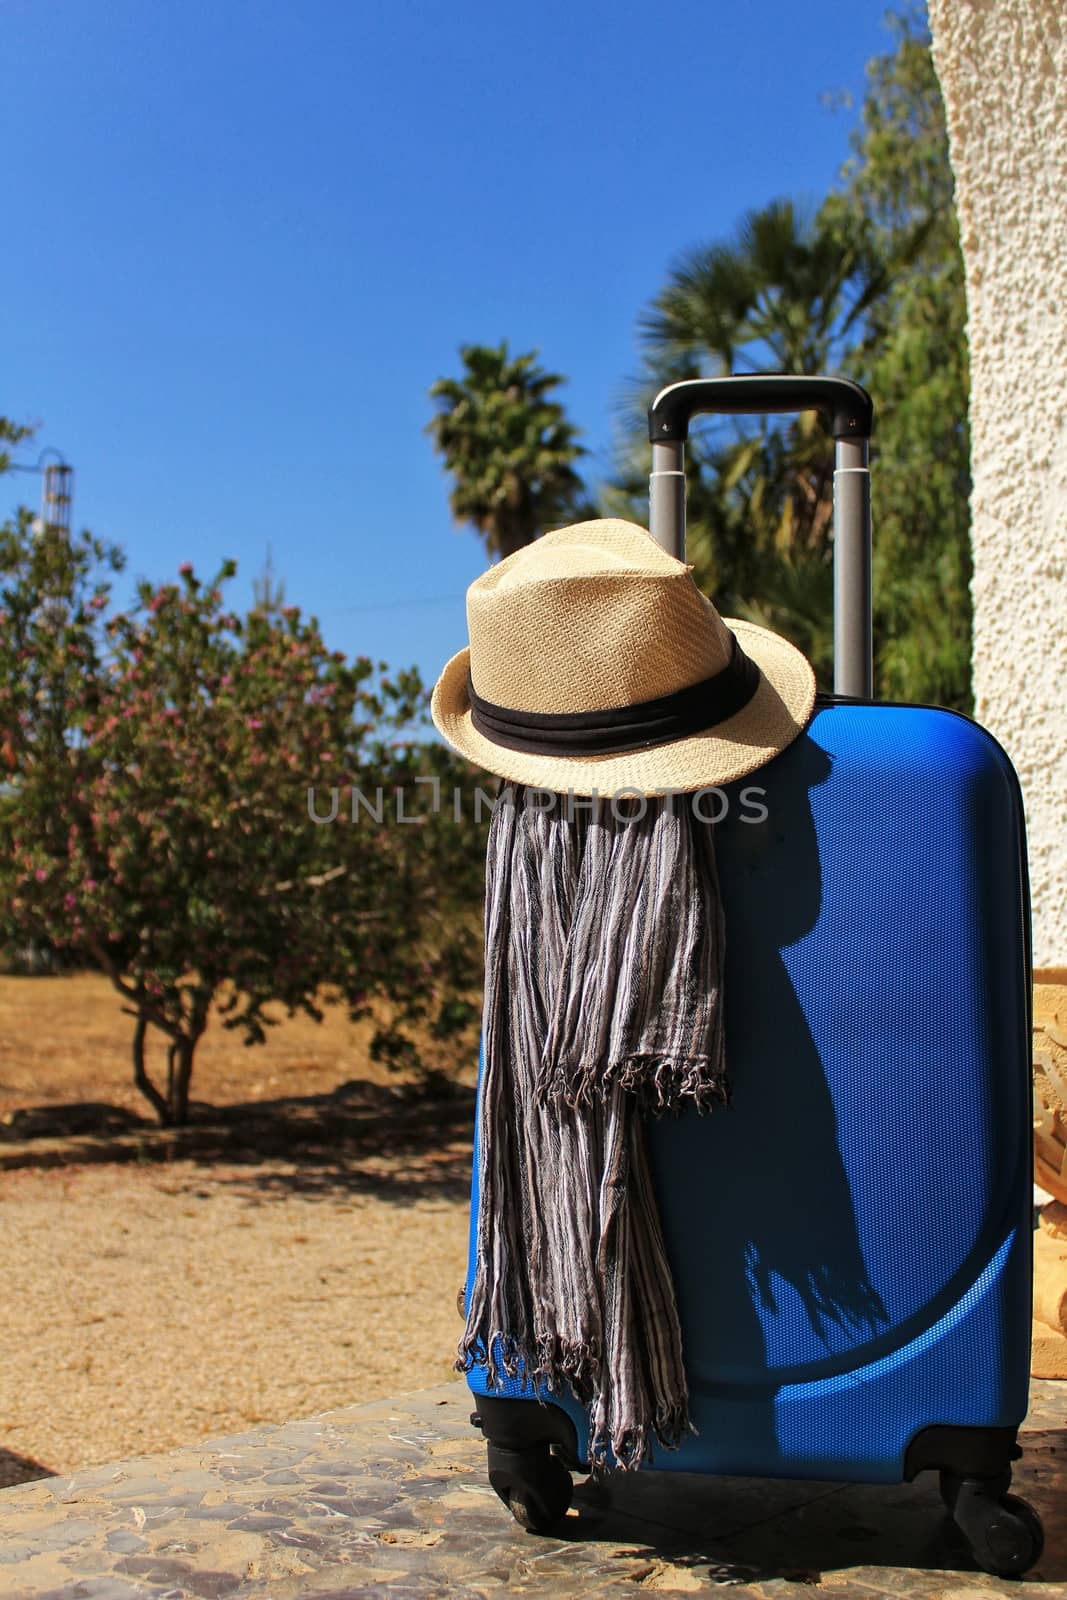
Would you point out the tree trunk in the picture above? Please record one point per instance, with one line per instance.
(158, 1101)
(172, 1052)
(171, 1108)
(179, 1087)
(513, 533)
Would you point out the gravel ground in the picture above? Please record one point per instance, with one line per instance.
(146, 1306)
(151, 1304)
(303, 1253)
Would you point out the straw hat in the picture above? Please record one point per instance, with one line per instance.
(596, 666)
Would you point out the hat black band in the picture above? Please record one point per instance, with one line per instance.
(637, 727)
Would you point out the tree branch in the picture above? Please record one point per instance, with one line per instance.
(316, 881)
(144, 1006)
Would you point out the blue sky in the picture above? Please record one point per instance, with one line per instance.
(243, 239)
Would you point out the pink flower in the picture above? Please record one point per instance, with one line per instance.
(40, 874)
(186, 568)
(89, 885)
(70, 901)
(255, 722)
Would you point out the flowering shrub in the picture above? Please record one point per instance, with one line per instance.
(154, 775)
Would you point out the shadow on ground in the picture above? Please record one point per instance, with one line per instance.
(93, 1117)
(394, 1142)
(692, 1532)
(732, 1531)
(15, 1468)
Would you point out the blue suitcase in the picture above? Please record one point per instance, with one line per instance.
(851, 1240)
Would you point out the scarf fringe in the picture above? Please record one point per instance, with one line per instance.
(500, 1354)
(657, 1083)
(629, 1445)
(562, 1365)
(559, 1365)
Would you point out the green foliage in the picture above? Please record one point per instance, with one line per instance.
(162, 771)
(914, 361)
(508, 446)
(52, 593)
(784, 294)
(11, 433)
(870, 285)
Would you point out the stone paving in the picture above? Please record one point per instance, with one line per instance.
(392, 1497)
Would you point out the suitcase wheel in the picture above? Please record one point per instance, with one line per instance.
(533, 1483)
(1003, 1531)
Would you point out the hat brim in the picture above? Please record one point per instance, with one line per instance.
(778, 711)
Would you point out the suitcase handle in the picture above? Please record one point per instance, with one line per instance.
(848, 411)
(843, 405)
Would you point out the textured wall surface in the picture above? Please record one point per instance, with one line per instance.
(1003, 71)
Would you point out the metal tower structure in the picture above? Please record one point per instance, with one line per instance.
(57, 495)
(57, 489)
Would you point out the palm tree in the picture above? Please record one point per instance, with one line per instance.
(509, 448)
(783, 295)
(871, 285)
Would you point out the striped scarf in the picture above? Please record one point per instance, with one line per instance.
(603, 979)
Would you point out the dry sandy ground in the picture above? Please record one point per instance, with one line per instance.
(306, 1255)
(154, 1303)
(147, 1306)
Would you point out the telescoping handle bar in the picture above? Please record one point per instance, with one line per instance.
(848, 413)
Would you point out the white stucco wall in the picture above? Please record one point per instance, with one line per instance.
(1003, 71)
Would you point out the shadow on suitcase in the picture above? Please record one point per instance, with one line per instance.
(781, 1225)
